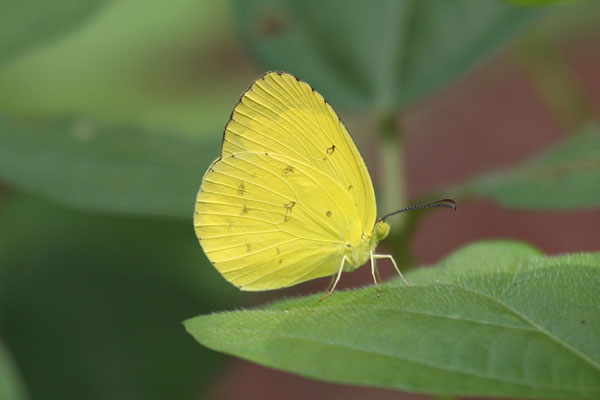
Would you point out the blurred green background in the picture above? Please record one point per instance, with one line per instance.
(110, 112)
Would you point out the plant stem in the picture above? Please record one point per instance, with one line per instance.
(393, 187)
(393, 179)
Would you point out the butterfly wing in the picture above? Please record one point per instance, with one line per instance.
(288, 192)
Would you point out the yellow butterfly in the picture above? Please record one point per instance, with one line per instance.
(290, 198)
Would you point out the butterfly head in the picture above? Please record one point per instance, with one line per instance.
(381, 230)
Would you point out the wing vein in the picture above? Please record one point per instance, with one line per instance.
(273, 138)
(236, 197)
(282, 115)
(298, 116)
(319, 219)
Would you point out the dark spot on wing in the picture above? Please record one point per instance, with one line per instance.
(245, 210)
(277, 250)
(248, 247)
(288, 210)
(350, 187)
(328, 213)
(288, 170)
(241, 189)
(329, 151)
(280, 260)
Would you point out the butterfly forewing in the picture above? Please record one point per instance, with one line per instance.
(281, 114)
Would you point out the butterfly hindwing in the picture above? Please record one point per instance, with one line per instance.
(267, 224)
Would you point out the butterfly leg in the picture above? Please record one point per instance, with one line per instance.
(377, 273)
(374, 273)
(337, 279)
(330, 285)
(376, 256)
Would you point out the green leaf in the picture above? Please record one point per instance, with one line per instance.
(106, 167)
(11, 387)
(91, 304)
(382, 57)
(25, 24)
(566, 176)
(494, 319)
(165, 63)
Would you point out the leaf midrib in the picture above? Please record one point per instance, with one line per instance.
(413, 311)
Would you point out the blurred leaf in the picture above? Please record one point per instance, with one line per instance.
(104, 167)
(566, 176)
(28, 23)
(494, 319)
(382, 57)
(11, 387)
(91, 305)
(166, 63)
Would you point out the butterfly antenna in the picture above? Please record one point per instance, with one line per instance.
(448, 203)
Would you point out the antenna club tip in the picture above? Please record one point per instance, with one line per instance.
(450, 203)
